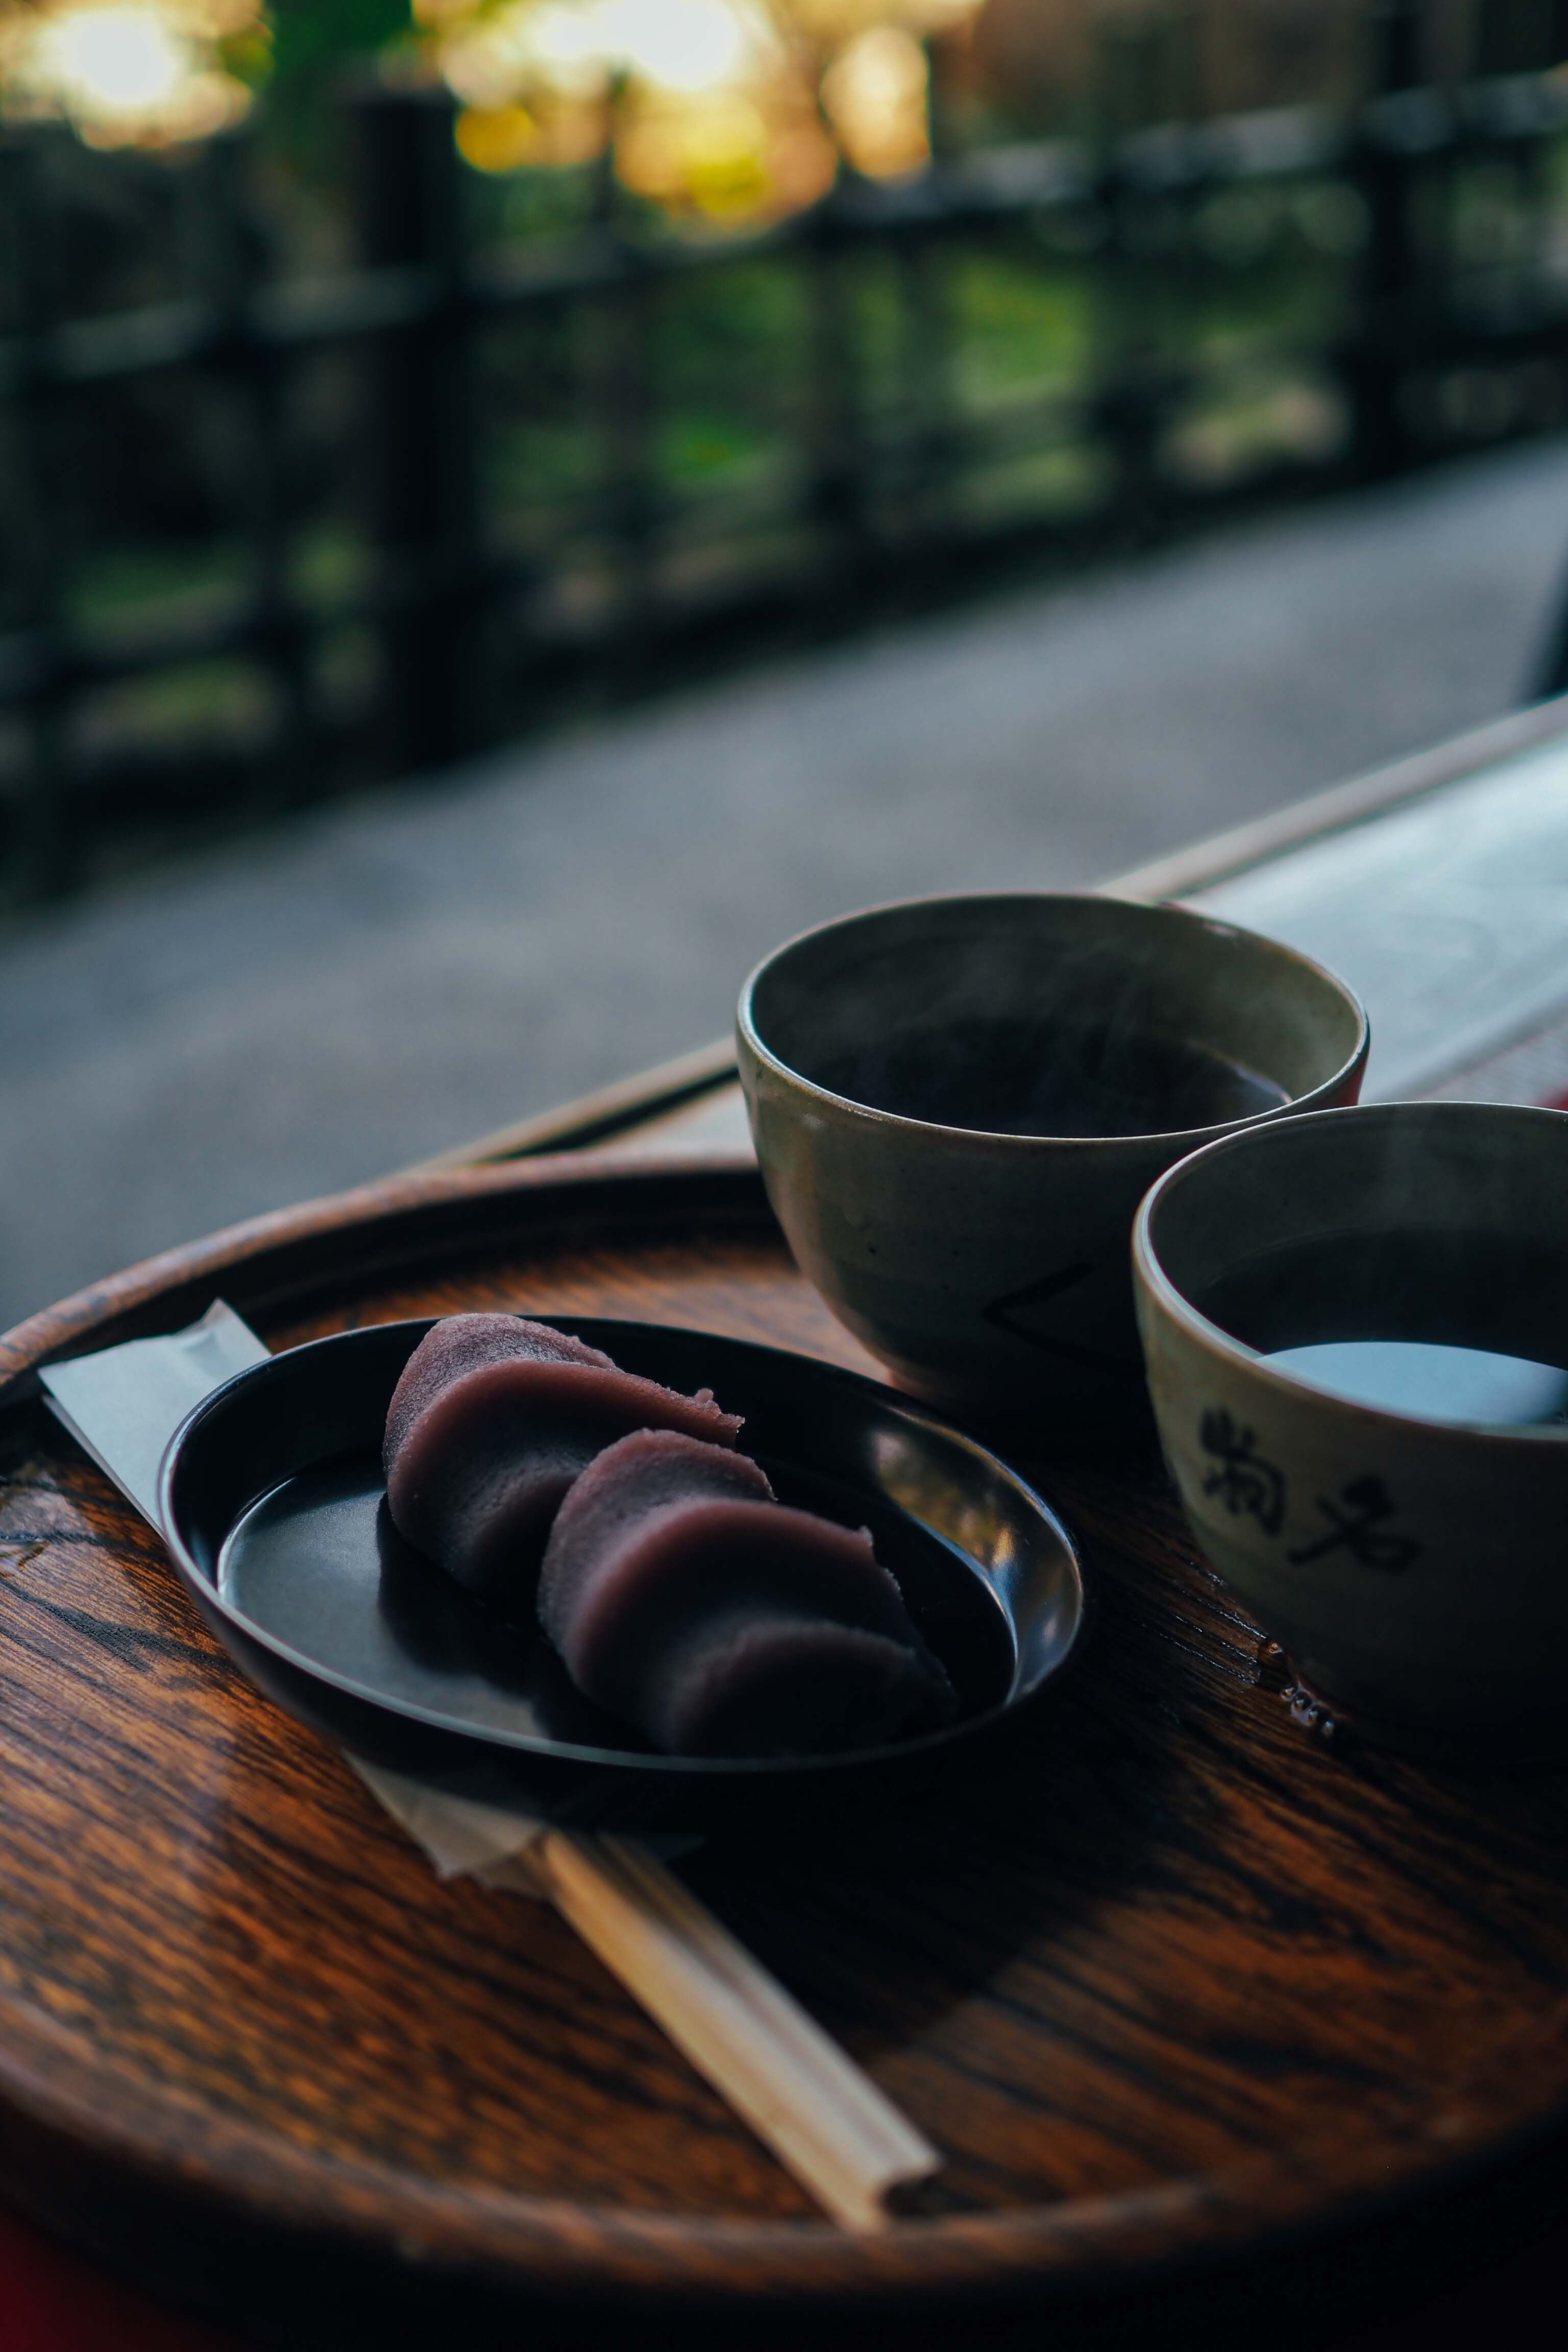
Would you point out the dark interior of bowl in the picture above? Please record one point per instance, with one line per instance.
(275, 1500)
(1048, 1015)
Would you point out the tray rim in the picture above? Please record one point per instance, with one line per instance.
(159, 2142)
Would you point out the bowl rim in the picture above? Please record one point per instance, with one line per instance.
(1151, 1281)
(1157, 912)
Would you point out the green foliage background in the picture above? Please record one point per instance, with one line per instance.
(312, 38)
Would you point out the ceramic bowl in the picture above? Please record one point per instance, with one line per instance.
(1415, 1570)
(989, 1269)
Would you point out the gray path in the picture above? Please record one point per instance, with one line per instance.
(250, 1028)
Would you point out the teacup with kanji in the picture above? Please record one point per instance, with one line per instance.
(1355, 1327)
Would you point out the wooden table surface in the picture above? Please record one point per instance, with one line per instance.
(1439, 889)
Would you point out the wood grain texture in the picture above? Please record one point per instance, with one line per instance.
(1167, 1974)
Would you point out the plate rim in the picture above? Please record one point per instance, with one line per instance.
(704, 1770)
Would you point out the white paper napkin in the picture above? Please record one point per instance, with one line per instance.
(125, 1403)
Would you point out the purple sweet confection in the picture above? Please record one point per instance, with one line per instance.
(491, 1421)
(684, 1598)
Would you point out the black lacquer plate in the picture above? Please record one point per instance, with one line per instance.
(273, 1504)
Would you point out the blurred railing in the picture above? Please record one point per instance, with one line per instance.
(461, 587)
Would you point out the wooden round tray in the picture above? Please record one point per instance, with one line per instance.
(1178, 1976)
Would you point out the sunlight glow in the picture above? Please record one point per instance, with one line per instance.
(875, 94)
(685, 45)
(578, 45)
(730, 107)
(126, 71)
(115, 60)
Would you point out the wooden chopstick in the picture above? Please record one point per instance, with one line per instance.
(846, 2144)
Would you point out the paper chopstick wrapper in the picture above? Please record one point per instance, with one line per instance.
(460, 1838)
(125, 1403)
(825, 2120)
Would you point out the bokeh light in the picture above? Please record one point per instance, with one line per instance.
(127, 72)
(875, 93)
(724, 109)
(721, 109)
(114, 61)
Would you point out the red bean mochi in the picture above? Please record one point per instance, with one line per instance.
(683, 1597)
(492, 1420)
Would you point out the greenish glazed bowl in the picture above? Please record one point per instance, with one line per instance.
(990, 1271)
(1416, 1572)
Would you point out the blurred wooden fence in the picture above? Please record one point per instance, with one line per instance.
(450, 629)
